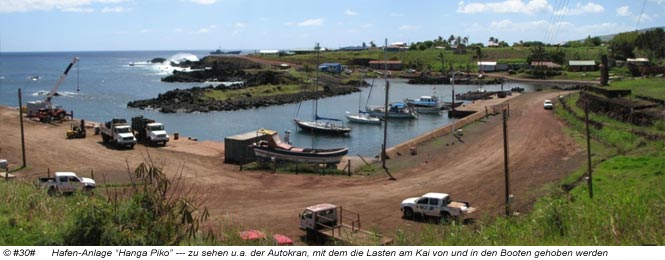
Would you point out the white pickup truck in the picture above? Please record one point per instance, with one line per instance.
(435, 205)
(67, 183)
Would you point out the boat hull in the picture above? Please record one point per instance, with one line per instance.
(379, 112)
(326, 156)
(322, 127)
(364, 119)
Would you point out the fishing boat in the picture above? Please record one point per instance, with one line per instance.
(363, 117)
(321, 125)
(275, 148)
(396, 110)
(425, 104)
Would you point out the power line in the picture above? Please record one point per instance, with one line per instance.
(637, 25)
(565, 11)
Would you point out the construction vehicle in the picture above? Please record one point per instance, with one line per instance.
(77, 130)
(150, 131)
(329, 221)
(44, 110)
(118, 132)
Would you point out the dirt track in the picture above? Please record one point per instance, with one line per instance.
(540, 153)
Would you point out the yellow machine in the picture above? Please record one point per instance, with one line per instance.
(76, 131)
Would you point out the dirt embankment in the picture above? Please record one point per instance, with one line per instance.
(470, 170)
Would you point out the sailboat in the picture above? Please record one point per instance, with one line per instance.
(364, 117)
(396, 110)
(326, 125)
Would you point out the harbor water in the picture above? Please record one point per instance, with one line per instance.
(106, 82)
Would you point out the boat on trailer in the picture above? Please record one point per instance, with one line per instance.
(275, 148)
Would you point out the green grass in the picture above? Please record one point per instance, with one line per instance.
(430, 59)
(258, 91)
(650, 87)
(626, 209)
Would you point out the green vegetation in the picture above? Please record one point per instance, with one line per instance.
(649, 87)
(152, 211)
(626, 209)
(258, 91)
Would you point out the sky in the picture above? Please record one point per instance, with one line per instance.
(97, 25)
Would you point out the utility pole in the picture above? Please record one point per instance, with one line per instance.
(505, 161)
(588, 149)
(384, 155)
(20, 116)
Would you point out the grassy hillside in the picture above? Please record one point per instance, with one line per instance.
(627, 208)
(430, 58)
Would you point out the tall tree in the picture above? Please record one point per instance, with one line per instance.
(622, 46)
(652, 42)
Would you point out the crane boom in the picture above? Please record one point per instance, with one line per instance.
(57, 84)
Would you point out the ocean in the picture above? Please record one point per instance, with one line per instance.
(99, 86)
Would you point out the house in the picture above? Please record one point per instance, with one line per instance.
(545, 65)
(493, 45)
(638, 61)
(391, 64)
(268, 52)
(582, 65)
(489, 66)
(331, 67)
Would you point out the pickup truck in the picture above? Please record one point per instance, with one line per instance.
(118, 132)
(435, 205)
(67, 183)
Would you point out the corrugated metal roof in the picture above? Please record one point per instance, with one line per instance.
(582, 63)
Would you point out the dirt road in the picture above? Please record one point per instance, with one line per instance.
(540, 153)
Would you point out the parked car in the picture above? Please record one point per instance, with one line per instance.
(548, 104)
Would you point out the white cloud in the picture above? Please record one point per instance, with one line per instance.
(13, 6)
(408, 27)
(203, 30)
(116, 9)
(78, 10)
(240, 25)
(367, 25)
(145, 31)
(350, 13)
(531, 7)
(510, 26)
(397, 14)
(589, 8)
(203, 2)
(178, 30)
(624, 11)
(310, 22)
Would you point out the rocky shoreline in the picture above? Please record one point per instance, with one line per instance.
(233, 70)
(192, 100)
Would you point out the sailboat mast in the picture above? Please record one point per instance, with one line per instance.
(384, 156)
(316, 89)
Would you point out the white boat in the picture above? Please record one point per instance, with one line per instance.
(275, 148)
(426, 104)
(397, 110)
(364, 118)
